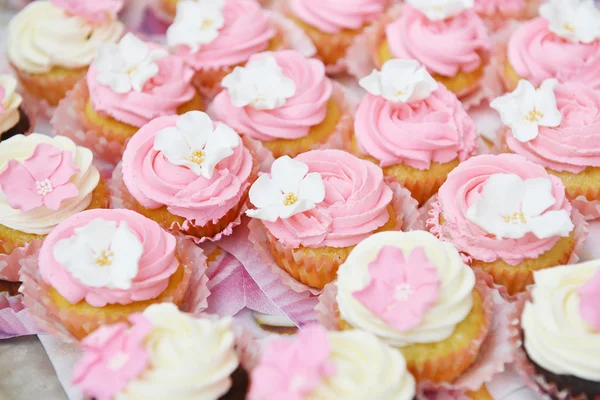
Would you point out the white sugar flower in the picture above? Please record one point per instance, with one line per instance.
(289, 190)
(260, 84)
(436, 10)
(510, 207)
(528, 108)
(400, 81)
(128, 65)
(196, 23)
(194, 142)
(574, 20)
(100, 254)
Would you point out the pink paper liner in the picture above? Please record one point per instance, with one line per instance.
(498, 21)
(14, 317)
(407, 218)
(247, 347)
(10, 264)
(590, 209)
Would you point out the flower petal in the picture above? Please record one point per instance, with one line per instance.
(269, 214)
(551, 223)
(485, 215)
(504, 193)
(97, 234)
(312, 188)
(196, 127)
(132, 50)
(288, 174)
(220, 145)
(264, 193)
(54, 199)
(44, 161)
(538, 196)
(545, 102)
(173, 145)
(19, 187)
(298, 207)
(127, 250)
(371, 83)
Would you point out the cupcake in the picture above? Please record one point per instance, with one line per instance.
(563, 43)
(216, 36)
(189, 175)
(332, 25)
(284, 100)
(316, 207)
(449, 39)
(100, 266)
(161, 353)
(498, 12)
(43, 181)
(415, 292)
(14, 119)
(320, 365)
(52, 43)
(561, 331)
(508, 216)
(414, 128)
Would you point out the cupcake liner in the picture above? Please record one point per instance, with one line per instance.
(10, 264)
(154, 19)
(195, 299)
(589, 209)
(14, 317)
(247, 347)
(327, 310)
(422, 190)
(292, 35)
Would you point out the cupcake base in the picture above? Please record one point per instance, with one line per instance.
(586, 183)
(51, 86)
(22, 127)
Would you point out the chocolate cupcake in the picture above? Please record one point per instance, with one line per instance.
(13, 118)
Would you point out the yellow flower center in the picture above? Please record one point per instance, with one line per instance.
(290, 199)
(534, 116)
(104, 258)
(568, 27)
(516, 218)
(197, 157)
(206, 24)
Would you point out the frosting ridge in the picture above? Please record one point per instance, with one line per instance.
(10, 102)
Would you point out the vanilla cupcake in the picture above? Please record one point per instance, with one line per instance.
(14, 119)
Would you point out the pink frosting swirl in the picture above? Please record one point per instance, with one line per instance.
(505, 7)
(331, 16)
(306, 108)
(157, 264)
(161, 95)
(416, 134)
(247, 30)
(154, 182)
(355, 205)
(575, 143)
(443, 47)
(537, 54)
(463, 187)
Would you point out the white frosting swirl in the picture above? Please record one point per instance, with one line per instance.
(189, 358)
(556, 336)
(42, 220)
(43, 36)
(365, 368)
(454, 302)
(11, 102)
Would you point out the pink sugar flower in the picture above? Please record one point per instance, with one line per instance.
(94, 11)
(589, 306)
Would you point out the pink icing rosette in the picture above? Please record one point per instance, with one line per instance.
(94, 11)
(14, 317)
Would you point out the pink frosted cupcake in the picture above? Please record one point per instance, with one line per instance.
(284, 100)
(564, 43)
(413, 127)
(507, 216)
(449, 39)
(15, 118)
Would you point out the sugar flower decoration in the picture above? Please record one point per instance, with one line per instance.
(261, 84)
(589, 306)
(291, 369)
(114, 355)
(575, 20)
(528, 108)
(2, 94)
(41, 180)
(195, 143)
(196, 24)
(400, 81)
(94, 11)
(128, 65)
(436, 10)
(510, 207)
(101, 254)
(288, 191)
(401, 289)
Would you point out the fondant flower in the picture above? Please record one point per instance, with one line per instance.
(436, 10)
(510, 207)
(401, 289)
(400, 81)
(291, 369)
(260, 84)
(196, 23)
(528, 108)
(574, 20)
(2, 94)
(589, 306)
(41, 180)
(194, 142)
(114, 355)
(289, 190)
(128, 65)
(94, 11)
(100, 254)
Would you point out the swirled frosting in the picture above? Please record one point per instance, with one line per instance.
(332, 16)
(247, 30)
(444, 47)
(416, 134)
(42, 220)
(453, 304)
(155, 182)
(155, 267)
(43, 36)
(556, 336)
(355, 204)
(306, 108)
(9, 103)
(505, 7)
(536, 54)
(463, 187)
(574, 144)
